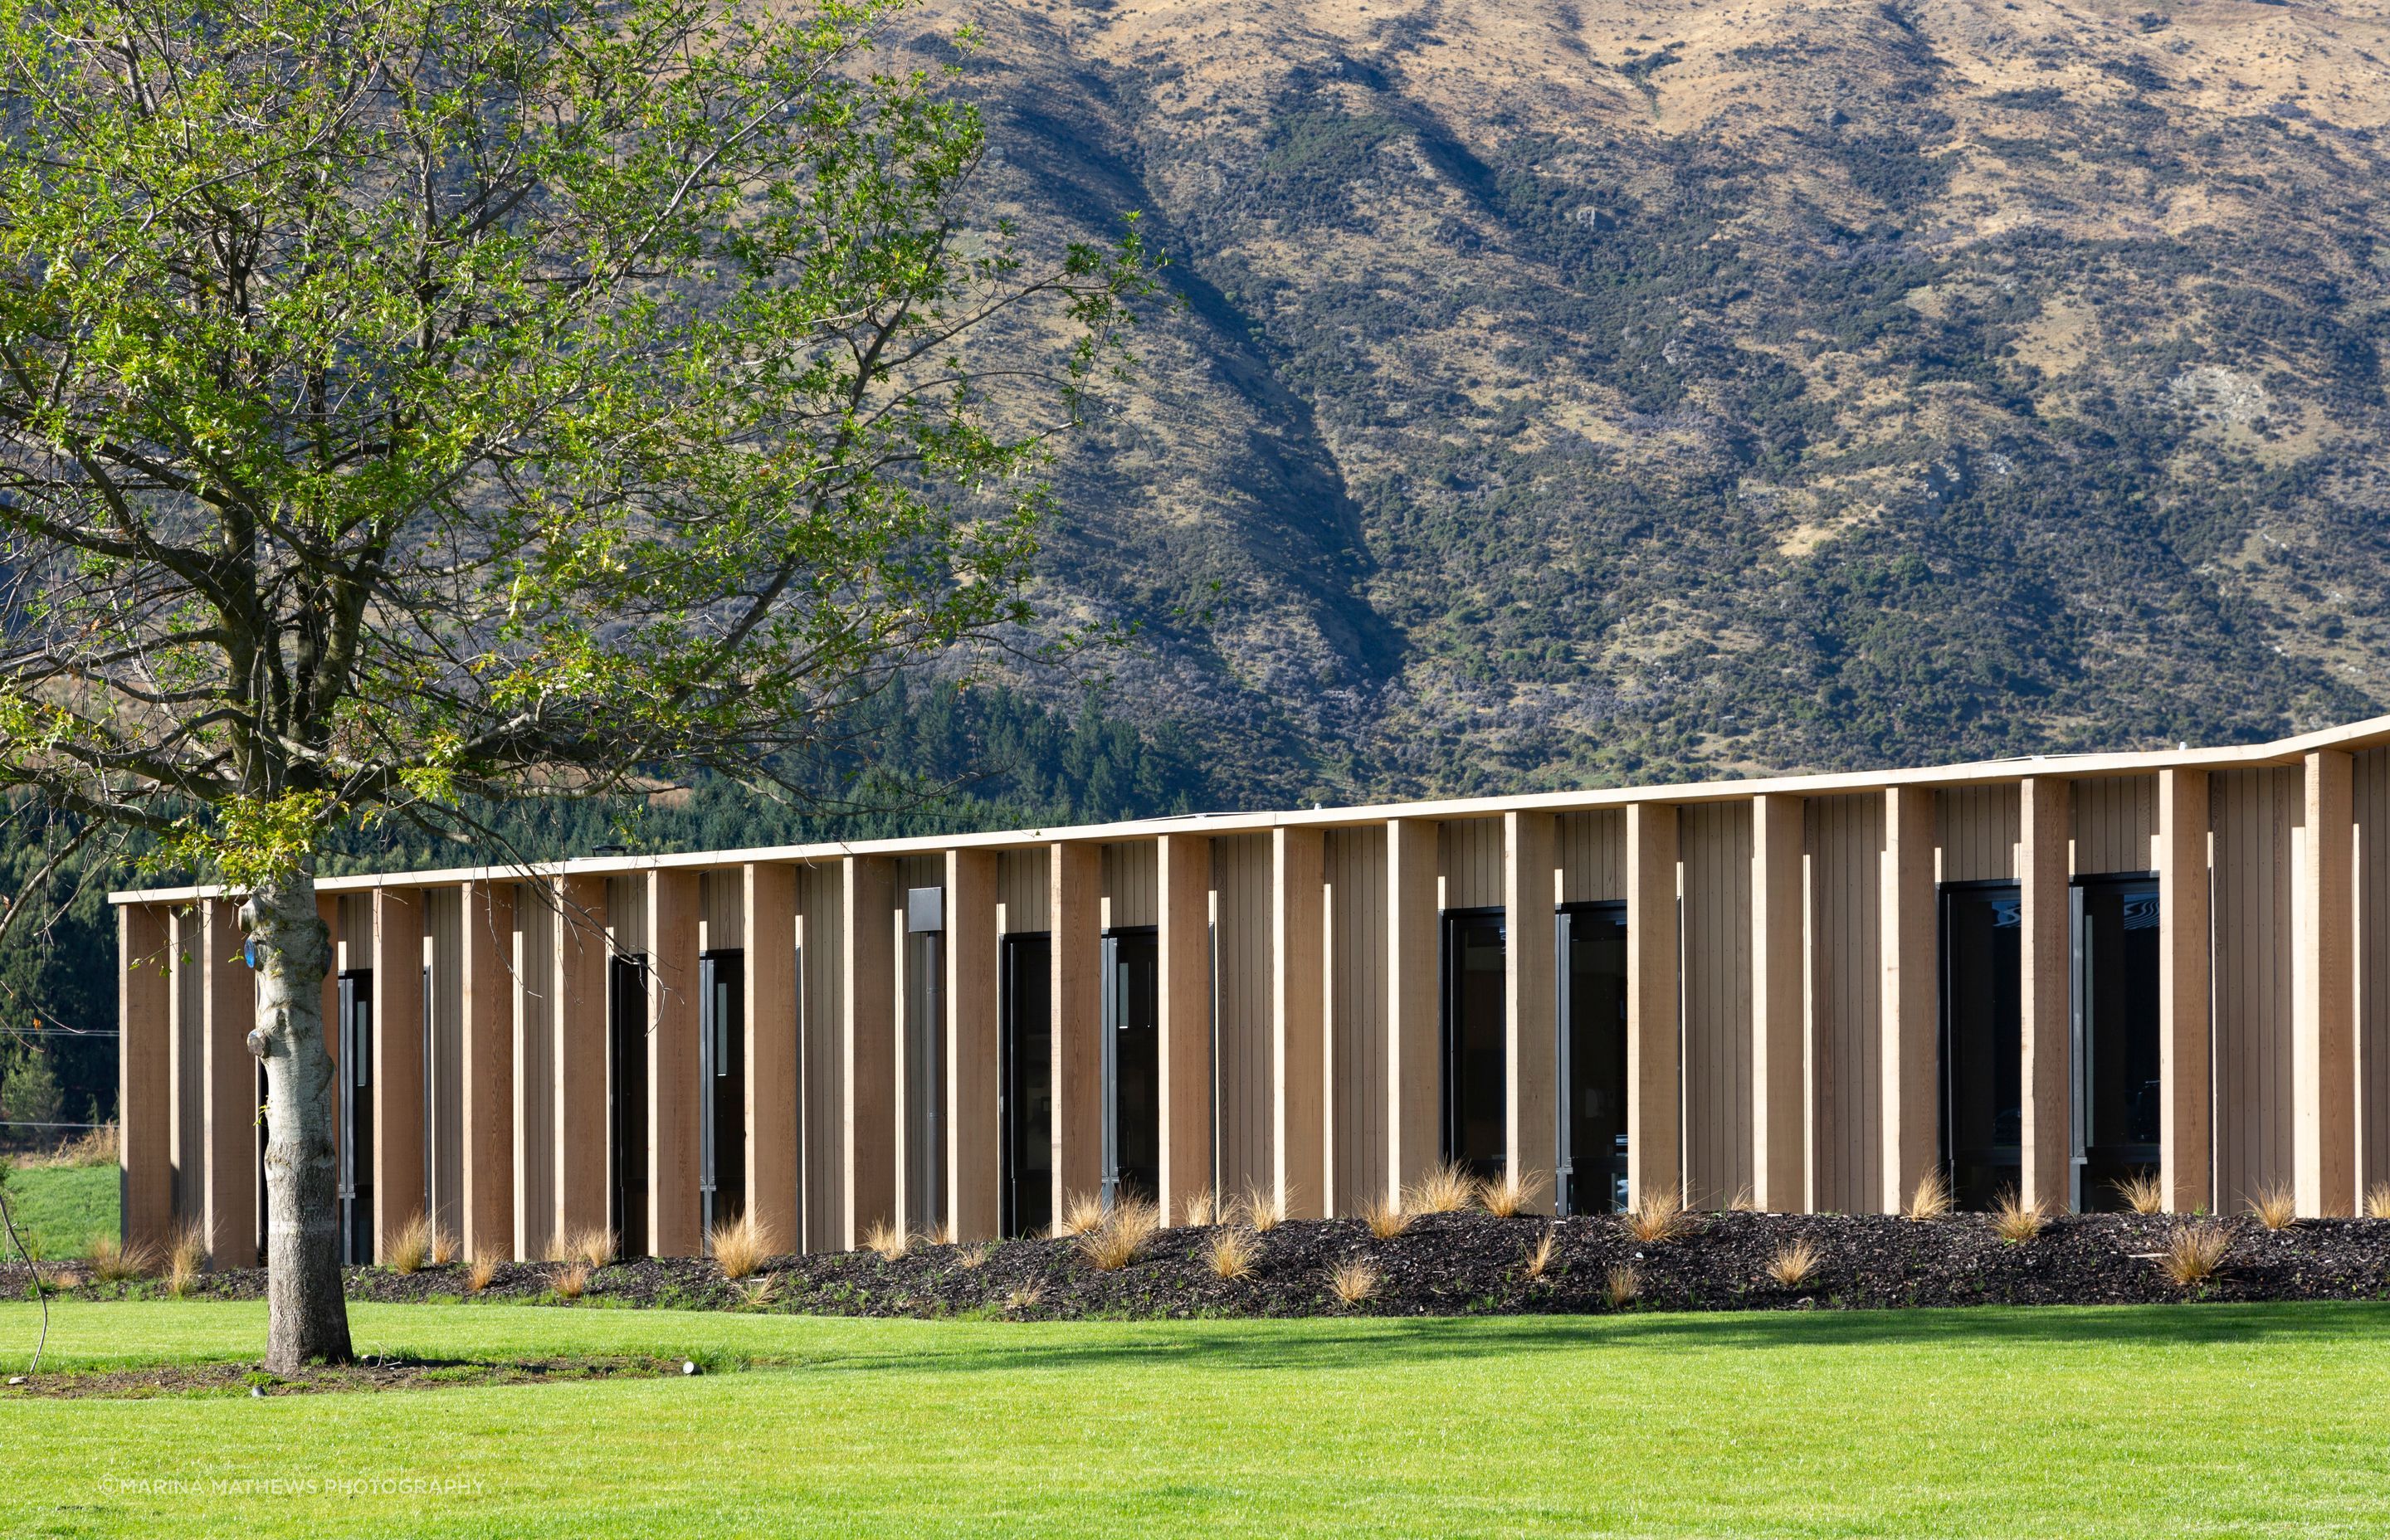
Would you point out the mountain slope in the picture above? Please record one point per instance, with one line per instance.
(1567, 393)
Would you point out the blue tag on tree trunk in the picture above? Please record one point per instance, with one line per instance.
(249, 951)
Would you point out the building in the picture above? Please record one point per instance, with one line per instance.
(2054, 974)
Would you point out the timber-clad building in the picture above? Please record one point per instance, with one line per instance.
(2052, 974)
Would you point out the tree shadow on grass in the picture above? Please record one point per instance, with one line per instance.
(1379, 1342)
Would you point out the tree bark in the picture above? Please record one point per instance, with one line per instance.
(307, 1315)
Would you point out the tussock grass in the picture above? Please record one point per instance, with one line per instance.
(1743, 1201)
(2195, 1252)
(1232, 1255)
(572, 1281)
(741, 1247)
(1386, 1220)
(2276, 1206)
(183, 1259)
(1028, 1296)
(1354, 1280)
(1794, 1265)
(755, 1294)
(484, 1272)
(2013, 1219)
(1539, 1259)
(1081, 1212)
(887, 1240)
(1624, 1286)
(444, 1246)
(1200, 1209)
(597, 1246)
(1445, 1189)
(974, 1257)
(411, 1247)
(1657, 1217)
(1930, 1200)
(113, 1262)
(940, 1234)
(2377, 1201)
(1262, 1209)
(1510, 1194)
(1121, 1237)
(2142, 1194)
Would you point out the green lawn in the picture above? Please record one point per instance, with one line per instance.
(2204, 1421)
(60, 1208)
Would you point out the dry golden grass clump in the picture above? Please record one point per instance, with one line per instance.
(2014, 1219)
(1539, 1260)
(1232, 1255)
(1081, 1212)
(2377, 1201)
(1445, 1189)
(1657, 1217)
(974, 1257)
(411, 1247)
(1263, 1208)
(484, 1272)
(1623, 1285)
(940, 1234)
(113, 1262)
(572, 1281)
(755, 1294)
(889, 1241)
(1510, 1194)
(1930, 1200)
(595, 1246)
(184, 1260)
(1743, 1202)
(1121, 1237)
(1794, 1265)
(1386, 1220)
(1354, 1280)
(1200, 1209)
(1027, 1297)
(2195, 1252)
(444, 1246)
(2142, 1193)
(2275, 1205)
(741, 1247)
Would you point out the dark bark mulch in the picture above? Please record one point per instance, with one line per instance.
(149, 1381)
(1468, 1264)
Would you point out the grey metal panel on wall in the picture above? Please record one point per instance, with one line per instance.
(1132, 883)
(1470, 854)
(1714, 846)
(1024, 882)
(2370, 796)
(1240, 917)
(1593, 856)
(1355, 917)
(2255, 816)
(534, 982)
(443, 1091)
(1980, 828)
(821, 994)
(2115, 824)
(1845, 841)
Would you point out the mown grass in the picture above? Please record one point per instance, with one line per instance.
(60, 1208)
(2138, 1421)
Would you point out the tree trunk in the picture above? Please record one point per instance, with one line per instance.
(307, 1313)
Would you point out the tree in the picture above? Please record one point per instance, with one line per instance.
(407, 403)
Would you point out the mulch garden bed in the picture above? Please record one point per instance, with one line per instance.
(1464, 1263)
(149, 1381)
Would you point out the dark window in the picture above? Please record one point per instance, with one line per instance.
(1475, 1006)
(2115, 1036)
(1132, 1063)
(1593, 1058)
(1026, 1030)
(355, 1069)
(1982, 1040)
(626, 1027)
(722, 1066)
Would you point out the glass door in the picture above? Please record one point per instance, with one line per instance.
(1982, 1041)
(2115, 926)
(626, 1032)
(1132, 1063)
(1476, 1011)
(1592, 1057)
(355, 1070)
(1025, 1031)
(722, 1104)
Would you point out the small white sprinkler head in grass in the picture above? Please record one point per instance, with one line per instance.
(688, 1365)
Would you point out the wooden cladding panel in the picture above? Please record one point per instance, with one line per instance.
(2115, 824)
(2256, 817)
(1910, 1011)
(535, 1056)
(1980, 831)
(974, 1065)
(821, 992)
(582, 1066)
(1470, 853)
(867, 1161)
(676, 1211)
(1297, 1070)
(398, 1089)
(1078, 1022)
(2370, 797)
(1132, 877)
(1413, 1025)
(1355, 921)
(1023, 899)
(1779, 1072)
(229, 1001)
(144, 1087)
(1531, 1005)
(444, 944)
(1593, 856)
(2045, 1004)
(722, 909)
(1655, 1133)
(774, 1045)
(2186, 1081)
(2323, 1060)
(1241, 917)
(1714, 843)
(1183, 874)
(1846, 841)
